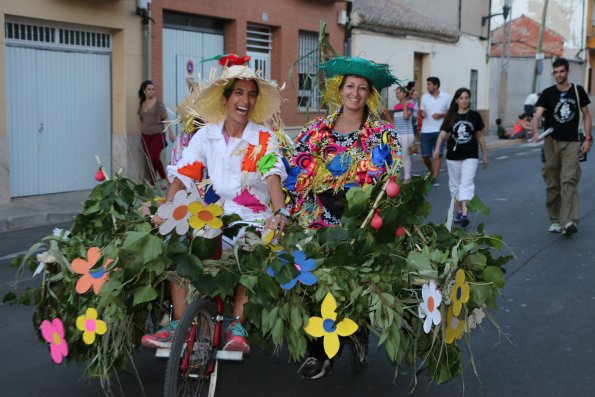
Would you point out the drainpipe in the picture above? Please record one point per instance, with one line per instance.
(144, 11)
(348, 27)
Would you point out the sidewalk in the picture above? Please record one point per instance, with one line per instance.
(23, 212)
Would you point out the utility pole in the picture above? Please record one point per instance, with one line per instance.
(539, 44)
(504, 64)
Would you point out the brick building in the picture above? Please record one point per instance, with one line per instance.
(274, 33)
(524, 36)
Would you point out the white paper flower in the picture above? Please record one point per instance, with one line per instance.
(475, 318)
(428, 309)
(57, 232)
(46, 257)
(176, 214)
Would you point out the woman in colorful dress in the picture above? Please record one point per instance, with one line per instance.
(244, 165)
(351, 146)
(463, 131)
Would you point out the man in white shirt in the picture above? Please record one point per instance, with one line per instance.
(433, 107)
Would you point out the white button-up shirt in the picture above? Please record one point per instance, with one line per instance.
(431, 106)
(223, 163)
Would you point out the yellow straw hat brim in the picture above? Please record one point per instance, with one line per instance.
(211, 109)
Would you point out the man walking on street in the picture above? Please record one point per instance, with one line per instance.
(433, 107)
(560, 105)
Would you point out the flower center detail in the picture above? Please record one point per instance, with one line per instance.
(205, 216)
(180, 212)
(97, 273)
(57, 339)
(431, 304)
(297, 267)
(459, 293)
(329, 325)
(90, 325)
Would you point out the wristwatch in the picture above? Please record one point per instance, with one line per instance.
(283, 211)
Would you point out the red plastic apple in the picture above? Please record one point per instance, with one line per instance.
(100, 176)
(392, 189)
(376, 221)
(400, 232)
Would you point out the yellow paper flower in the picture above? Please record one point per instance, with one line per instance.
(326, 327)
(459, 292)
(90, 325)
(454, 326)
(209, 216)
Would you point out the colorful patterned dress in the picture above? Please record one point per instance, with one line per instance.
(326, 163)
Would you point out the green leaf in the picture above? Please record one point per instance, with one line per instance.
(418, 261)
(188, 266)
(248, 281)
(144, 294)
(494, 274)
(296, 318)
(476, 205)
(357, 201)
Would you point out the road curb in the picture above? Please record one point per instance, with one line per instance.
(27, 221)
(505, 142)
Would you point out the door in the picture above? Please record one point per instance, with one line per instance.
(59, 119)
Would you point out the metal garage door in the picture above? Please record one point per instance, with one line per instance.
(183, 52)
(59, 107)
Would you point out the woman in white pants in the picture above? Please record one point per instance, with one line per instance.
(463, 130)
(402, 114)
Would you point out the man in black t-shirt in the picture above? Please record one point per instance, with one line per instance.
(560, 105)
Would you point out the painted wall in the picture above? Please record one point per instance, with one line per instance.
(451, 63)
(120, 18)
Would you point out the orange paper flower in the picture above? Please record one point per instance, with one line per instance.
(91, 278)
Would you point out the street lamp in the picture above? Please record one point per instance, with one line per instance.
(504, 13)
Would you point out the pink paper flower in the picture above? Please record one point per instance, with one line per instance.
(53, 333)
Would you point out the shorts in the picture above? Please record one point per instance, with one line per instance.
(428, 143)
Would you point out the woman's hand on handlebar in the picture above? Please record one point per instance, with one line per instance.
(276, 222)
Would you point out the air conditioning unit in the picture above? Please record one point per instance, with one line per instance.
(343, 19)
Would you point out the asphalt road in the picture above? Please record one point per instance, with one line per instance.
(547, 312)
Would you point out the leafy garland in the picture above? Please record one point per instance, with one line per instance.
(381, 267)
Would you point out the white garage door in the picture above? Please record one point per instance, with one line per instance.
(59, 107)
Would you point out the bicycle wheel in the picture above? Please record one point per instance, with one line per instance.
(192, 356)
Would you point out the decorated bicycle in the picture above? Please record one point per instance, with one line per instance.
(372, 265)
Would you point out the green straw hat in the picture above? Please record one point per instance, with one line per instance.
(379, 75)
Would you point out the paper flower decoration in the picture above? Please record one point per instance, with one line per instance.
(64, 234)
(90, 325)
(326, 327)
(266, 163)
(91, 278)
(209, 216)
(176, 214)
(454, 326)
(459, 292)
(305, 267)
(428, 309)
(53, 333)
(475, 318)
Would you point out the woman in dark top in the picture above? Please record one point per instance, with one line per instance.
(152, 113)
(463, 130)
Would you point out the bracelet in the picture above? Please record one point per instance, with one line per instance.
(588, 138)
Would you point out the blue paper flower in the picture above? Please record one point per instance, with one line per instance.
(381, 154)
(305, 267)
(339, 165)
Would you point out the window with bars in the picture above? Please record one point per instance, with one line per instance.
(50, 35)
(259, 44)
(473, 89)
(309, 57)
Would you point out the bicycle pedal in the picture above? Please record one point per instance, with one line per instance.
(230, 355)
(162, 353)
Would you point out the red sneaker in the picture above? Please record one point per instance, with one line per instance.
(160, 339)
(236, 338)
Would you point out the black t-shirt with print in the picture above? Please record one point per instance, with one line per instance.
(561, 111)
(462, 143)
